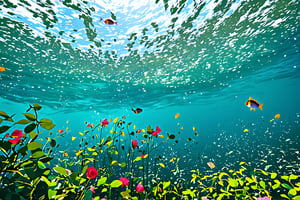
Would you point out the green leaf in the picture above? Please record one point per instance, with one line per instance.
(88, 195)
(1, 120)
(52, 143)
(114, 163)
(125, 195)
(262, 184)
(293, 177)
(34, 145)
(285, 178)
(3, 114)
(293, 192)
(116, 184)
(233, 183)
(29, 116)
(123, 164)
(4, 128)
(37, 106)
(284, 196)
(84, 169)
(32, 134)
(274, 187)
(29, 128)
(113, 16)
(38, 154)
(166, 184)
(41, 165)
(101, 181)
(23, 121)
(149, 130)
(51, 193)
(273, 175)
(60, 170)
(47, 124)
(286, 186)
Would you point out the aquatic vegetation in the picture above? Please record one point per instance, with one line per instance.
(109, 159)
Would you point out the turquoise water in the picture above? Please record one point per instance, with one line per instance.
(202, 59)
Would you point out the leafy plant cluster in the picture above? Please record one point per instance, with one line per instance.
(116, 166)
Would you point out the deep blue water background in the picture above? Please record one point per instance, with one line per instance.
(205, 70)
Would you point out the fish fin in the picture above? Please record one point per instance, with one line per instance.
(254, 109)
(260, 106)
(250, 98)
(250, 109)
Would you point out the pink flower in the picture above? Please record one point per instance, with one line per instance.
(204, 198)
(17, 134)
(124, 181)
(143, 155)
(158, 129)
(154, 133)
(104, 123)
(134, 144)
(92, 189)
(140, 188)
(91, 172)
(89, 125)
(264, 198)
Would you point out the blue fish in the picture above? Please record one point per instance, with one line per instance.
(137, 110)
(253, 104)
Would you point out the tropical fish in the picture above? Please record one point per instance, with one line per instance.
(137, 110)
(253, 104)
(109, 21)
(177, 115)
(277, 116)
(2, 69)
(211, 165)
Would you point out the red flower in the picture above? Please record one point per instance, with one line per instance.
(17, 134)
(158, 129)
(140, 188)
(143, 155)
(134, 144)
(124, 181)
(154, 133)
(104, 123)
(91, 173)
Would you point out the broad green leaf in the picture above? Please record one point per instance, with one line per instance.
(125, 195)
(4, 128)
(233, 183)
(88, 195)
(23, 121)
(273, 175)
(166, 184)
(51, 193)
(60, 170)
(123, 164)
(293, 177)
(29, 116)
(101, 181)
(113, 16)
(116, 184)
(47, 124)
(34, 145)
(293, 192)
(286, 186)
(84, 169)
(149, 130)
(46, 180)
(262, 184)
(104, 190)
(285, 178)
(4, 114)
(38, 154)
(32, 134)
(41, 165)
(30, 128)
(37, 106)
(274, 187)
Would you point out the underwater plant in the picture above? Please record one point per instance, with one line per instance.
(115, 164)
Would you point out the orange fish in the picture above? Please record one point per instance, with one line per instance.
(177, 115)
(211, 165)
(253, 104)
(109, 21)
(2, 69)
(277, 116)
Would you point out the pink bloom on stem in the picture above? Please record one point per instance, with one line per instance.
(104, 123)
(154, 133)
(143, 155)
(17, 134)
(204, 198)
(92, 189)
(140, 188)
(124, 181)
(134, 144)
(158, 129)
(91, 172)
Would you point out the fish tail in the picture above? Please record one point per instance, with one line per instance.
(260, 106)
(115, 23)
(100, 19)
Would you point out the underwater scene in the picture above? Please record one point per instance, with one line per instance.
(149, 99)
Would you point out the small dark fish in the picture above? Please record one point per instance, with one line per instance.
(189, 139)
(137, 110)
(123, 147)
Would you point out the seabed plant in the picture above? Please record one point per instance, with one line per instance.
(115, 164)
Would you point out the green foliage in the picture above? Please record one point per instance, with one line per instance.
(26, 173)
